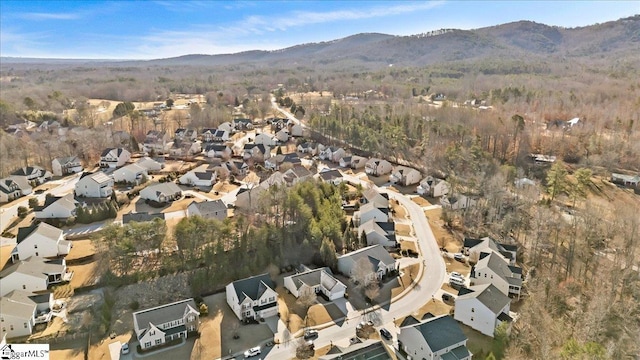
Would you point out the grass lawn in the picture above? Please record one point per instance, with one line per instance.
(442, 235)
(408, 245)
(477, 341)
(420, 201)
(435, 307)
(84, 274)
(405, 279)
(5, 255)
(399, 211)
(403, 229)
(81, 249)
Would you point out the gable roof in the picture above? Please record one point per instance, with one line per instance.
(209, 207)
(409, 321)
(311, 278)
(6, 184)
(500, 267)
(28, 170)
(252, 287)
(141, 217)
(216, 147)
(440, 332)
(374, 253)
(34, 266)
(98, 177)
(115, 152)
(17, 303)
(42, 229)
(489, 295)
(164, 313)
(328, 175)
(67, 160)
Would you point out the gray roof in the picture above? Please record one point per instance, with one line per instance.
(114, 151)
(207, 208)
(66, 201)
(204, 175)
(253, 287)
(375, 254)
(166, 188)
(98, 176)
(21, 181)
(461, 352)
(34, 266)
(440, 332)
(500, 267)
(164, 313)
(17, 303)
(330, 175)
(42, 228)
(488, 295)
(141, 217)
(311, 278)
(68, 160)
(366, 350)
(6, 184)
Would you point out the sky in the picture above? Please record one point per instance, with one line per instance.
(160, 29)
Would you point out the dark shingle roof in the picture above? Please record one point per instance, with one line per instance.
(253, 287)
(441, 332)
(164, 313)
(140, 217)
(488, 295)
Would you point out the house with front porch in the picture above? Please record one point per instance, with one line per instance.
(161, 192)
(378, 167)
(32, 174)
(437, 338)
(114, 157)
(316, 281)
(483, 308)
(66, 165)
(253, 297)
(494, 269)
(40, 240)
(265, 139)
(164, 323)
(94, 185)
(377, 258)
(34, 274)
(20, 311)
(9, 190)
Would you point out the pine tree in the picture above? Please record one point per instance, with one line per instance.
(556, 180)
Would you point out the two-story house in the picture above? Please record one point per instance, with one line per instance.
(377, 167)
(220, 151)
(483, 308)
(164, 323)
(437, 338)
(130, 174)
(405, 176)
(473, 247)
(114, 157)
(157, 141)
(94, 185)
(333, 154)
(57, 207)
(494, 269)
(20, 311)
(161, 192)
(9, 190)
(256, 152)
(379, 232)
(33, 274)
(433, 187)
(253, 298)
(32, 174)
(40, 240)
(316, 281)
(265, 139)
(66, 165)
(370, 211)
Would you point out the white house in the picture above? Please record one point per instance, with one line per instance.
(315, 281)
(185, 147)
(493, 269)
(32, 174)
(9, 190)
(380, 200)
(253, 298)
(158, 141)
(275, 162)
(405, 176)
(215, 209)
(114, 157)
(186, 134)
(295, 130)
(265, 139)
(296, 174)
(333, 154)
(345, 161)
(433, 187)
(457, 202)
(437, 338)
(198, 178)
(57, 207)
(256, 152)
(377, 258)
(220, 151)
(66, 165)
(377, 167)
(283, 135)
(310, 148)
(150, 164)
(473, 247)
(34, 274)
(95, 185)
(370, 211)
(20, 311)
(358, 162)
(161, 324)
(226, 126)
(332, 176)
(483, 308)
(23, 184)
(161, 192)
(247, 198)
(41, 240)
(376, 232)
(132, 174)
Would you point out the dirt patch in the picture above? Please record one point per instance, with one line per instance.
(81, 249)
(408, 273)
(5, 255)
(420, 201)
(408, 245)
(84, 274)
(398, 210)
(449, 289)
(443, 236)
(436, 308)
(403, 229)
(453, 265)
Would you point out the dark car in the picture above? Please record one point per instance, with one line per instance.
(310, 334)
(448, 298)
(385, 334)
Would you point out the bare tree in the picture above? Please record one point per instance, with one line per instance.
(362, 273)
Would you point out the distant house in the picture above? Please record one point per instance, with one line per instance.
(333, 154)
(283, 135)
(483, 308)
(297, 174)
(23, 184)
(523, 182)
(358, 162)
(332, 176)
(405, 176)
(436, 338)
(41, 240)
(265, 139)
(185, 147)
(378, 167)
(248, 198)
(370, 211)
(376, 232)
(433, 187)
(457, 202)
(34, 274)
(161, 192)
(310, 148)
(131, 174)
(95, 185)
(345, 161)
(625, 180)
(114, 157)
(9, 190)
(256, 152)
(543, 159)
(49, 125)
(473, 247)
(20, 311)
(253, 298)
(157, 141)
(242, 124)
(161, 324)
(198, 178)
(32, 174)
(493, 269)
(380, 200)
(220, 135)
(215, 209)
(275, 162)
(295, 130)
(150, 164)
(318, 281)
(186, 134)
(57, 207)
(208, 135)
(379, 260)
(66, 165)
(226, 126)
(220, 151)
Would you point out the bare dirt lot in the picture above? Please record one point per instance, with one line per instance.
(420, 201)
(442, 235)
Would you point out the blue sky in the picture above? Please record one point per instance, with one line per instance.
(159, 29)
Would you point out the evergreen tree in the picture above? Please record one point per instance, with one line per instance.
(328, 253)
(113, 212)
(556, 180)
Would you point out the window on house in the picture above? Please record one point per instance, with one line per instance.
(25, 325)
(11, 327)
(24, 287)
(147, 344)
(35, 246)
(191, 318)
(158, 341)
(473, 310)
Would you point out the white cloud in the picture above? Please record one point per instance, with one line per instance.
(38, 16)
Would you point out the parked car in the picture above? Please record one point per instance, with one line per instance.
(456, 275)
(125, 348)
(310, 334)
(456, 282)
(252, 352)
(188, 196)
(447, 298)
(458, 257)
(385, 334)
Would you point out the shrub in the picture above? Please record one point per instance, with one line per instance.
(134, 305)
(33, 203)
(22, 212)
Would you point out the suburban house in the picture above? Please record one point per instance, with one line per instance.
(380, 200)
(242, 124)
(483, 308)
(226, 126)
(253, 298)
(437, 338)
(265, 139)
(94, 185)
(370, 211)
(215, 209)
(345, 161)
(297, 174)
(220, 151)
(198, 178)
(275, 162)
(66, 165)
(377, 258)
(310, 148)
(457, 202)
(333, 154)
(220, 135)
(32, 174)
(150, 164)
(9, 190)
(376, 232)
(114, 157)
(256, 152)
(40, 240)
(237, 168)
(358, 350)
(283, 135)
(20, 311)
(161, 324)
(186, 134)
(23, 184)
(377, 167)
(161, 192)
(140, 217)
(433, 187)
(295, 130)
(405, 176)
(317, 281)
(358, 162)
(57, 207)
(157, 141)
(33, 274)
(625, 180)
(493, 269)
(332, 176)
(131, 174)
(185, 147)
(473, 247)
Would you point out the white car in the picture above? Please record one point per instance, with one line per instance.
(456, 275)
(125, 349)
(252, 352)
